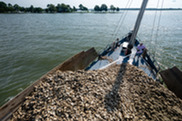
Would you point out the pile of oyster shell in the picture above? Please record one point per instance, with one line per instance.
(120, 92)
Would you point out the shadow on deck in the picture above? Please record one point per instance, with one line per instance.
(113, 99)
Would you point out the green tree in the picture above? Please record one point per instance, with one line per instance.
(74, 8)
(83, 8)
(112, 8)
(31, 9)
(69, 9)
(103, 7)
(97, 8)
(38, 10)
(3, 7)
(10, 7)
(117, 9)
(16, 7)
(58, 7)
(22, 9)
(51, 8)
(63, 8)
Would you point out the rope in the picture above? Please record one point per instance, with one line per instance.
(157, 32)
(152, 32)
(122, 18)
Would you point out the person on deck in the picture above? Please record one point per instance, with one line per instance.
(117, 42)
(140, 49)
(129, 36)
(113, 46)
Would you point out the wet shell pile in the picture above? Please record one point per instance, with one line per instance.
(120, 92)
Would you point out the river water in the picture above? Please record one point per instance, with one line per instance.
(33, 44)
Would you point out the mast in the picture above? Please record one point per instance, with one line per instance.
(138, 22)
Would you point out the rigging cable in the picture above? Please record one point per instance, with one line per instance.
(121, 20)
(152, 32)
(122, 17)
(157, 32)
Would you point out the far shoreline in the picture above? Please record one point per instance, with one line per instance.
(102, 12)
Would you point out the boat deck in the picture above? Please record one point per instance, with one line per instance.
(109, 57)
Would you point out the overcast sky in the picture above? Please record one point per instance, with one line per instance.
(92, 3)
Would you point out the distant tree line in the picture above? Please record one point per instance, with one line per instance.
(9, 8)
(104, 7)
(60, 8)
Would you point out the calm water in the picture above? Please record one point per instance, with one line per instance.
(32, 44)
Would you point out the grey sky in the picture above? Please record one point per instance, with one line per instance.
(92, 3)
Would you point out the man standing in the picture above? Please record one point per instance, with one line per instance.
(140, 50)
